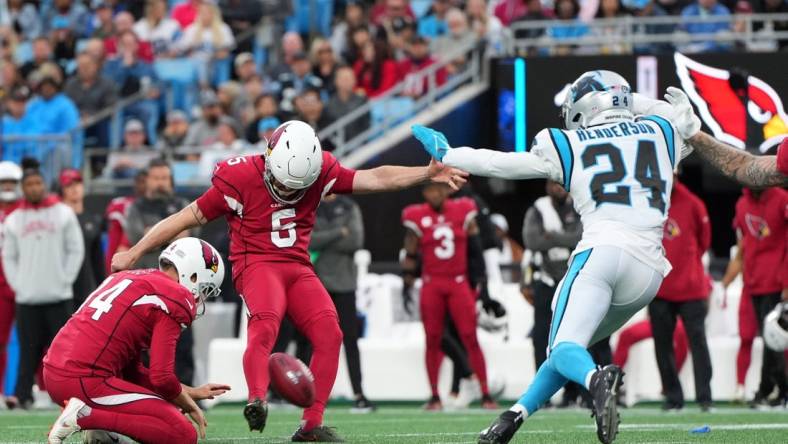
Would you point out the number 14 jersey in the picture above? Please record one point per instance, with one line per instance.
(443, 236)
(261, 228)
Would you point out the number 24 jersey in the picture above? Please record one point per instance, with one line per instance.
(261, 228)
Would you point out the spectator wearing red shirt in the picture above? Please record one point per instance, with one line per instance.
(10, 177)
(124, 22)
(508, 11)
(684, 292)
(387, 10)
(186, 13)
(419, 58)
(760, 224)
(376, 71)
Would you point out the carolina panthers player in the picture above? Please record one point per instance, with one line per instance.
(619, 171)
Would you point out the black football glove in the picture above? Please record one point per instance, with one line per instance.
(407, 299)
(490, 305)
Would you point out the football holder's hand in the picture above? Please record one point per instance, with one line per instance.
(434, 142)
(684, 118)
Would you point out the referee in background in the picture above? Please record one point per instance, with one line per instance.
(684, 292)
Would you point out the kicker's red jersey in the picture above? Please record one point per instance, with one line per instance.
(131, 311)
(262, 229)
(443, 236)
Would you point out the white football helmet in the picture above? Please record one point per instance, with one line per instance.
(293, 161)
(490, 322)
(9, 171)
(200, 267)
(775, 328)
(595, 98)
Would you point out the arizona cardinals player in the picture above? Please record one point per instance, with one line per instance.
(269, 202)
(443, 230)
(115, 218)
(739, 165)
(10, 176)
(93, 366)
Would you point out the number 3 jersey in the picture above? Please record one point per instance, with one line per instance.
(261, 228)
(443, 235)
(129, 312)
(620, 176)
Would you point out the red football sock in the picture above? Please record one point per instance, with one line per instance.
(743, 358)
(326, 339)
(261, 335)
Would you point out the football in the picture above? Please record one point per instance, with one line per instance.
(292, 379)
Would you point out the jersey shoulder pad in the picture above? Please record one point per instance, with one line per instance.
(466, 205)
(411, 217)
(233, 175)
(669, 133)
(554, 145)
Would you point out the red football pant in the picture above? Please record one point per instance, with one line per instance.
(641, 331)
(122, 407)
(439, 295)
(748, 329)
(6, 322)
(271, 290)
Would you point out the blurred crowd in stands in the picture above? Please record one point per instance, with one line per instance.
(194, 76)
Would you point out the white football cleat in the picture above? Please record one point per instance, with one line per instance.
(470, 390)
(66, 424)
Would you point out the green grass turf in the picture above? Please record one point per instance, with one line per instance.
(408, 424)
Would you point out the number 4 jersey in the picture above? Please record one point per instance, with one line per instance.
(443, 235)
(129, 312)
(620, 176)
(261, 228)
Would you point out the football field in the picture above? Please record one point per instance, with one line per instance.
(398, 424)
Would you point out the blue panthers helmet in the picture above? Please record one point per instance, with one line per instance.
(595, 98)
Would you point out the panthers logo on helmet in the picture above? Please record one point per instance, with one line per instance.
(672, 229)
(210, 257)
(757, 226)
(586, 85)
(740, 109)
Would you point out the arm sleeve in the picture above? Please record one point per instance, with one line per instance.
(338, 179)
(164, 339)
(490, 163)
(10, 256)
(213, 204)
(74, 246)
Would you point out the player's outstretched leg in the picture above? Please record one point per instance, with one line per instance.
(546, 382)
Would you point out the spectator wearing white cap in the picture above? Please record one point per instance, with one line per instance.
(134, 136)
(245, 66)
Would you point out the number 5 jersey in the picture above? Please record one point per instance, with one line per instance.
(261, 228)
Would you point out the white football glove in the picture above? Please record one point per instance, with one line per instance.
(684, 118)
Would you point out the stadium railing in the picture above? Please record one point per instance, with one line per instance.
(392, 108)
(755, 32)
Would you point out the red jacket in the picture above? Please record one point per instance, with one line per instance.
(687, 236)
(388, 77)
(5, 290)
(761, 225)
(782, 157)
(410, 67)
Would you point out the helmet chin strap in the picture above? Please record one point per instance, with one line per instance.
(268, 178)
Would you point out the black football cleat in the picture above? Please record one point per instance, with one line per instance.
(256, 414)
(503, 429)
(605, 384)
(318, 434)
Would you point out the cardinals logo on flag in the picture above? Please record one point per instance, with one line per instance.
(757, 226)
(740, 109)
(210, 257)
